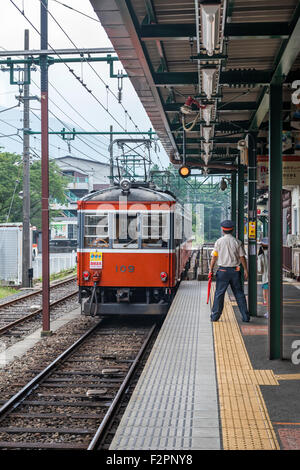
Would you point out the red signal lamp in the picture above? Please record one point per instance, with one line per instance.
(164, 276)
(86, 275)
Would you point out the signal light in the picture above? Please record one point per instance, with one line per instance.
(86, 275)
(184, 171)
(163, 276)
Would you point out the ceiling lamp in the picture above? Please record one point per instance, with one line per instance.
(207, 114)
(210, 24)
(207, 81)
(206, 133)
(207, 148)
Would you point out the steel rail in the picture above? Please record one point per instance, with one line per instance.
(17, 399)
(110, 412)
(34, 313)
(31, 294)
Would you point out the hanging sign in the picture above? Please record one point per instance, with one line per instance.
(290, 170)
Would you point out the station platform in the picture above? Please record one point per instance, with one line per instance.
(207, 387)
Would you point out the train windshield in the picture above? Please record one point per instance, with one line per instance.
(96, 230)
(127, 230)
(155, 230)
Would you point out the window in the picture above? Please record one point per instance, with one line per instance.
(96, 231)
(155, 230)
(72, 231)
(126, 230)
(177, 227)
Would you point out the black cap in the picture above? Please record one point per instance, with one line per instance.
(227, 225)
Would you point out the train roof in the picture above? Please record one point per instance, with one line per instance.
(135, 194)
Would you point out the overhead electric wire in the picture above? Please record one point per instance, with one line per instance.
(72, 72)
(107, 87)
(77, 11)
(80, 138)
(69, 68)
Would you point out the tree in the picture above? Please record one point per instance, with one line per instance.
(11, 184)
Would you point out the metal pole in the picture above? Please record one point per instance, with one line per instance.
(241, 201)
(45, 170)
(252, 226)
(26, 242)
(233, 199)
(275, 222)
(111, 158)
(240, 212)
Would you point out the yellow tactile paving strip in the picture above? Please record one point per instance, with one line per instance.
(244, 417)
(288, 377)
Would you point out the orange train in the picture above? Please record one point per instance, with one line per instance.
(134, 246)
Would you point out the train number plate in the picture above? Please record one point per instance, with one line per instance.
(96, 260)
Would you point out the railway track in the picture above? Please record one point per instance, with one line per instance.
(16, 312)
(70, 403)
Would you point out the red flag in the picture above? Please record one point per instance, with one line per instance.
(209, 285)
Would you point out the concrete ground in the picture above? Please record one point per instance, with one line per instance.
(282, 402)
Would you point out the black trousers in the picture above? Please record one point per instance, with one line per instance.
(224, 277)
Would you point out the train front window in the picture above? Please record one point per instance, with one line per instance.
(155, 227)
(96, 231)
(126, 230)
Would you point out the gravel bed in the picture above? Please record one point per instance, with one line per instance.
(30, 326)
(19, 372)
(105, 357)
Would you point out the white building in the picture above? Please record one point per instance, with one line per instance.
(84, 176)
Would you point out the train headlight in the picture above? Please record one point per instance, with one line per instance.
(163, 276)
(86, 275)
(125, 185)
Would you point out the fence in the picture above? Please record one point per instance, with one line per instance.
(57, 263)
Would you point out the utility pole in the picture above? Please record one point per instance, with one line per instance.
(45, 169)
(111, 158)
(26, 247)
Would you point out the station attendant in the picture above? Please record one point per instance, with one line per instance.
(229, 253)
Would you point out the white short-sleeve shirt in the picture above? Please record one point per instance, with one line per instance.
(228, 250)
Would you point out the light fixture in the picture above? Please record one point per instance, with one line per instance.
(125, 185)
(207, 149)
(223, 184)
(206, 133)
(207, 114)
(207, 81)
(210, 25)
(184, 171)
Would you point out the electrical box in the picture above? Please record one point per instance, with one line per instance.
(11, 254)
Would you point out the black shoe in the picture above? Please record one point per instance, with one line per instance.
(246, 321)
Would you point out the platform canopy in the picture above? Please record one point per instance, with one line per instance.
(222, 54)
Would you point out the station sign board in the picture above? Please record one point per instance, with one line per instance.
(290, 170)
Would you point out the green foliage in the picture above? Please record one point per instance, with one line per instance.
(11, 181)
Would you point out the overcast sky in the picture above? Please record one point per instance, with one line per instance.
(85, 33)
